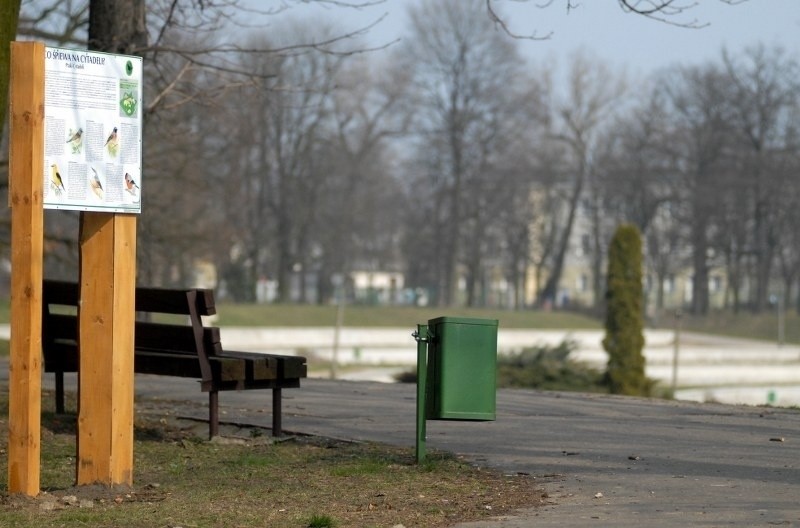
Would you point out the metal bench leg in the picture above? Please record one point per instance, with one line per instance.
(59, 392)
(276, 412)
(213, 414)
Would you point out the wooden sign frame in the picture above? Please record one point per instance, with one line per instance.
(106, 315)
(26, 166)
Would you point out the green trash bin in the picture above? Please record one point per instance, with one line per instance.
(462, 369)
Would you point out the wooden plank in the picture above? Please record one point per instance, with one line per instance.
(60, 292)
(162, 300)
(96, 327)
(124, 251)
(167, 365)
(170, 301)
(27, 219)
(157, 300)
(172, 338)
(106, 325)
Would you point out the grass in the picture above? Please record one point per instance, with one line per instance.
(321, 521)
(298, 315)
(745, 325)
(390, 316)
(183, 480)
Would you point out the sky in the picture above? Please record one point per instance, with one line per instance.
(626, 41)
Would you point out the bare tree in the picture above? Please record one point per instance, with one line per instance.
(673, 12)
(696, 96)
(670, 11)
(359, 219)
(279, 179)
(464, 74)
(522, 208)
(190, 69)
(289, 166)
(593, 92)
(762, 92)
(638, 184)
(788, 254)
(550, 203)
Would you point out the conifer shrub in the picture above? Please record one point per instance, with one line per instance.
(548, 368)
(541, 367)
(624, 337)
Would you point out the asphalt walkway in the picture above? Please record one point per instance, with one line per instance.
(605, 461)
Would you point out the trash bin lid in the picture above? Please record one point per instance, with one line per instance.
(462, 320)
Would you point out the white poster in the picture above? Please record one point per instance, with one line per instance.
(92, 131)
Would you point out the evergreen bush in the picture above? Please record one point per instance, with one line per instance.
(548, 368)
(624, 338)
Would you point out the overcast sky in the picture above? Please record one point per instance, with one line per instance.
(624, 40)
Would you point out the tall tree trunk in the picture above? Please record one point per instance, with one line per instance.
(9, 16)
(285, 260)
(550, 289)
(117, 26)
(452, 244)
(598, 283)
(763, 256)
(700, 266)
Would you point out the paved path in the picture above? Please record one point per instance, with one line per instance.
(656, 463)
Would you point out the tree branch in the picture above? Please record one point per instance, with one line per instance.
(500, 22)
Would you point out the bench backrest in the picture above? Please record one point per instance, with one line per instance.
(60, 330)
(148, 300)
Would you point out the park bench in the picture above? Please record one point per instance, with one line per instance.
(188, 349)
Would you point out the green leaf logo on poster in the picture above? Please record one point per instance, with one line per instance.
(128, 104)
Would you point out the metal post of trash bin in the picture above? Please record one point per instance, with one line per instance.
(421, 335)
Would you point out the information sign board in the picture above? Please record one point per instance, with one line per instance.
(92, 131)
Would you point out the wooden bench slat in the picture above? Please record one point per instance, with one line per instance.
(156, 300)
(176, 365)
(160, 336)
(155, 336)
(60, 292)
(161, 300)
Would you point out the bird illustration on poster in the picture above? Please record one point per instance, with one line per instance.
(112, 143)
(75, 140)
(56, 182)
(96, 185)
(130, 185)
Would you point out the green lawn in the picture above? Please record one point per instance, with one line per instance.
(755, 326)
(746, 325)
(377, 316)
(389, 316)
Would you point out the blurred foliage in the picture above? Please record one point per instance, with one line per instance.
(540, 367)
(548, 368)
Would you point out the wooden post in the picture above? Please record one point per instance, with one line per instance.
(106, 320)
(27, 228)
